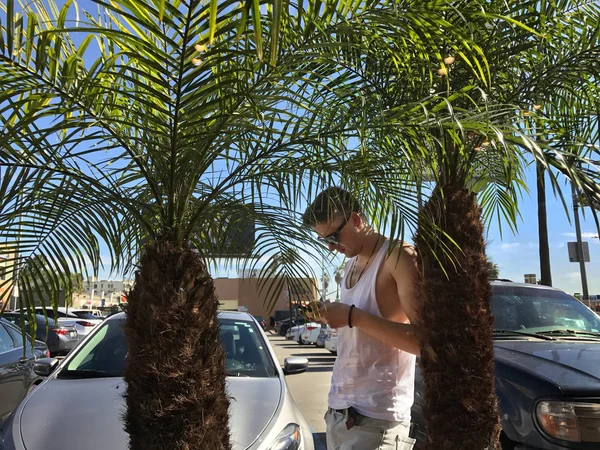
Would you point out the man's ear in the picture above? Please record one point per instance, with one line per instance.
(356, 219)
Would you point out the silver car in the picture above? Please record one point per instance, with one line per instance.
(86, 392)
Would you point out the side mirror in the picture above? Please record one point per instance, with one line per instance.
(293, 365)
(45, 366)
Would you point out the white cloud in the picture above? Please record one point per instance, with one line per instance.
(572, 275)
(509, 246)
(585, 235)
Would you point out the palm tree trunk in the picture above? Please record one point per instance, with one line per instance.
(546, 273)
(457, 344)
(175, 371)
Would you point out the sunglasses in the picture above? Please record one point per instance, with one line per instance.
(334, 238)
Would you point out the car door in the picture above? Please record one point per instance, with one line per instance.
(14, 373)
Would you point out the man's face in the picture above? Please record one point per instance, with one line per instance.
(337, 234)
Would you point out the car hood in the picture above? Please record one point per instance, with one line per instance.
(571, 365)
(91, 409)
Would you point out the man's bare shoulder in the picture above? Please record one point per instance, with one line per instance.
(402, 256)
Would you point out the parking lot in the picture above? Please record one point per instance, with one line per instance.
(309, 389)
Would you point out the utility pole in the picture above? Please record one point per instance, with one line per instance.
(14, 295)
(584, 285)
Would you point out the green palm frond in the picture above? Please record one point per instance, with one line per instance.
(159, 120)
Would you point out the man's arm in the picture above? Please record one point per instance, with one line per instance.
(404, 336)
(400, 335)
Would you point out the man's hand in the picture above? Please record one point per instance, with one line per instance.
(334, 314)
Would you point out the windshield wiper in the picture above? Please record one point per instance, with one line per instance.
(570, 332)
(521, 333)
(88, 373)
(231, 373)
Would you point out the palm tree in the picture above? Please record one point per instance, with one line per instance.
(479, 173)
(546, 82)
(164, 132)
(339, 277)
(455, 286)
(493, 269)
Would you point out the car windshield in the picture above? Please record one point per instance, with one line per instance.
(105, 353)
(538, 310)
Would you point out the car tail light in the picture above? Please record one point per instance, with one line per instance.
(62, 331)
(311, 328)
(85, 324)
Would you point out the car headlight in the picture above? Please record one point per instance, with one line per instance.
(289, 439)
(570, 421)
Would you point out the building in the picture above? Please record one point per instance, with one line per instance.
(248, 294)
(235, 294)
(5, 275)
(111, 291)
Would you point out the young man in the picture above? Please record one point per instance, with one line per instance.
(372, 385)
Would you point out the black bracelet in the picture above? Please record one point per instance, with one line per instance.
(350, 316)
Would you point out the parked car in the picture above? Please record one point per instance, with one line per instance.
(283, 326)
(59, 337)
(547, 358)
(310, 333)
(323, 335)
(263, 414)
(65, 317)
(295, 333)
(17, 375)
(261, 322)
(331, 342)
(93, 314)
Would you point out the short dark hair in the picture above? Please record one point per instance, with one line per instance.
(330, 204)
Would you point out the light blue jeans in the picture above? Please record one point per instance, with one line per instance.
(366, 434)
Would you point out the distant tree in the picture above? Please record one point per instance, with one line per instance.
(493, 269)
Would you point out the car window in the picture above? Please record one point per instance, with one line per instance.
(16, 335)
(105, 353)
(6, 342)
(85, 315)
(49, 312)
(539, 310)
(15, 319)
(246, 352)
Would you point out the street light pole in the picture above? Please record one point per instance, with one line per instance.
(584, 285)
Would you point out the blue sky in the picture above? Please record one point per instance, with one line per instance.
(518, 254)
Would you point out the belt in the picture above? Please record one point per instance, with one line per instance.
(353, 414)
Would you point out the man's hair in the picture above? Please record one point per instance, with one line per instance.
(330, 204)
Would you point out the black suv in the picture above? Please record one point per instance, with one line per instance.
(547, 356)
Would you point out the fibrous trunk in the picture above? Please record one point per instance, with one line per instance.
(175, 370)
(457, 328)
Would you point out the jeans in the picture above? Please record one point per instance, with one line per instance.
(366, 433)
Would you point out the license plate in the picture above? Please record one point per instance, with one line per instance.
(73, 334)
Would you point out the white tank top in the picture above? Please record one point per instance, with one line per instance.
(375, 379)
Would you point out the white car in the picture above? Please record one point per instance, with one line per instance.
(310, 334)
(87, 387)
(295, 333)
(66, 317)
(93, 312)
(331, 342)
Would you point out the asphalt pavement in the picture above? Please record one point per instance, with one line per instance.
(309, 389)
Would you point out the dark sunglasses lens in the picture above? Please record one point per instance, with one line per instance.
(330, 240)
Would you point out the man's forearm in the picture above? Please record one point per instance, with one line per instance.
(400, 335)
